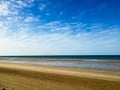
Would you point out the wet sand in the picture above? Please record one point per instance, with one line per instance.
(75, 63)
(34, 77)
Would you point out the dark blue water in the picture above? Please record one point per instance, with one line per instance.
(81, 57)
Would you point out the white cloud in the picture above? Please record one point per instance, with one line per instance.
(4, 9)
(42, 6)
(13, 7)
(29, 35)
(25, 3)
(36, 42)
(30, 19)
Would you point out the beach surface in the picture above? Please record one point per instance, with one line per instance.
(40, 77)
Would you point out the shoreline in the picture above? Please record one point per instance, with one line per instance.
(100, 65)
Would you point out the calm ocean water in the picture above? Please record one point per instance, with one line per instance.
(81, 57)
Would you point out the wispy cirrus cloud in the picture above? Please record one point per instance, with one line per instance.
(27, 34)
(26, 40)
(13, 7)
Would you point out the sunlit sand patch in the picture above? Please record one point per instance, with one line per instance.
(30, 77)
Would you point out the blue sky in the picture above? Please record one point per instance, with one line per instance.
(59, 27)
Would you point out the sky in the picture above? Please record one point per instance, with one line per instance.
(59, 27)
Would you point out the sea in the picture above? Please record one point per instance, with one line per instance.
(69, 57)
(106, 62)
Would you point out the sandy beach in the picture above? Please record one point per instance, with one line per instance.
(33, 77)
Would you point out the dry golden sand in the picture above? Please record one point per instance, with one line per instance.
(31, 77)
